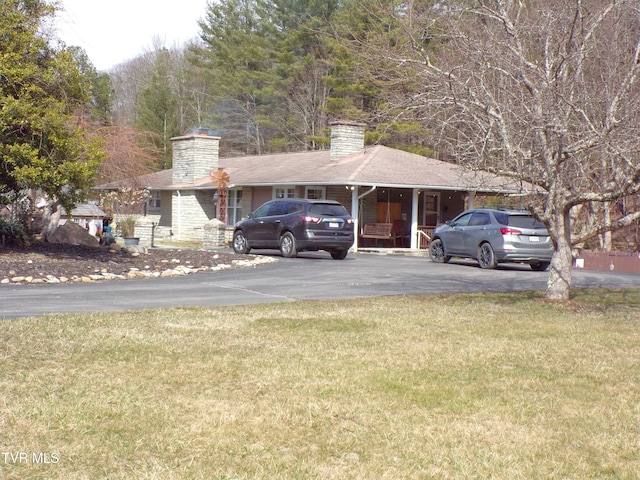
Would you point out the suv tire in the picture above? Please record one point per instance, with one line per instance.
(436, 252)
(339, 254)
(288, 245)
(486, 256)
(539, 266)
(240, 243)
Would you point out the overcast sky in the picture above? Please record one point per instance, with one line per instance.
(113, 31)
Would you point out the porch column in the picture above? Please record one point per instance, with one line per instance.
(415, 203)
(355, 213)
(177, 207)
(472, 196)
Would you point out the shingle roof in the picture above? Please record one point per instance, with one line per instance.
(161, 179)
(86, 210)
(376, 165)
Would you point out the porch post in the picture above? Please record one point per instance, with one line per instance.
(176, 207)
(355, 213)
(472, 196)
(415, 202)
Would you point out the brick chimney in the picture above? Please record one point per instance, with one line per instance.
(194, 156)
(346, 138)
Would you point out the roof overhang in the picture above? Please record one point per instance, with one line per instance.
(347, 184)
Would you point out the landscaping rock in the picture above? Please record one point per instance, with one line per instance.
(53, 263)
(73, 234)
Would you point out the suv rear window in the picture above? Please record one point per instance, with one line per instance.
(328, 209)
(284, 208)
(519, 221)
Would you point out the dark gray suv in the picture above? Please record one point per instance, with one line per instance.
(493, 236)
(296, 224)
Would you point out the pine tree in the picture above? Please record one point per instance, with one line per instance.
(42, 94)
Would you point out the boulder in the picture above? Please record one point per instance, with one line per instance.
(136, 250)
(73, 234)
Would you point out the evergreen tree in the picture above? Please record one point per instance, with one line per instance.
(157, 107)
(280, 77)
(98, 106)
(42, 91)
(239, 59)
(269, 76)
(304, 58)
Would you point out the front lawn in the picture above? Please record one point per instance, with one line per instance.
(450, 386)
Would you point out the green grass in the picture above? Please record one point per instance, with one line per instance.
(449, 386)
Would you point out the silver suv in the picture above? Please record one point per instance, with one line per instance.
(491, 237)
(296, 224)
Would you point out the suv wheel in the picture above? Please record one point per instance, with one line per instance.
(539, 266)
(240, 244)
(486, 257)
(339, 254)
(436, 252)
(288, 245)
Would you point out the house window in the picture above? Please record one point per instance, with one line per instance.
(154, 201)
(315, 193)
(280, 192)
(234, 206)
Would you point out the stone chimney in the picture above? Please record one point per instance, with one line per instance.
(194, 157)
(346, 138)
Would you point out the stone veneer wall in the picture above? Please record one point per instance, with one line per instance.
(346, 138)
(191, 210)
(194, 157)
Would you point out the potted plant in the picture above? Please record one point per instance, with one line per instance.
(127, 226)
(124, 206)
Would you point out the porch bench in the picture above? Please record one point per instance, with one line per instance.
(378, 231)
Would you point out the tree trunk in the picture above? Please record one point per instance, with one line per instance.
(607, 236)
(559, 283)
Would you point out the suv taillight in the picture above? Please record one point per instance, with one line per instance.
(510, 231)
(310, 219)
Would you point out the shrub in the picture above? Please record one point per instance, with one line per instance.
(13, 234)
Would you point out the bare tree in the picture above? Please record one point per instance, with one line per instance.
(306, 106)
(128, 78)
(129, 153)
(546, 92)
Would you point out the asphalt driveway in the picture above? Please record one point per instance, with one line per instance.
(311, 276)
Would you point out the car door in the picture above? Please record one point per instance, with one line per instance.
(270, 226)
(454, 240)
(476, 232)
(257, 226)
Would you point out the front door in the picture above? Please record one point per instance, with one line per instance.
(431, 209)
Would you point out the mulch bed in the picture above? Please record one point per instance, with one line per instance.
(65, 260)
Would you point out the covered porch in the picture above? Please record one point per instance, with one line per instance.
(401, 218)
